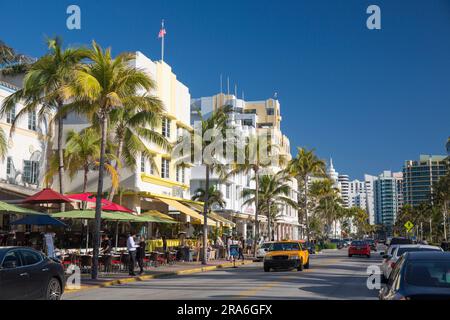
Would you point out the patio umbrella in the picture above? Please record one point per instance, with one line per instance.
(6, 208)
(111, 206)
(39, 220)
(85, 197)
(47, 196)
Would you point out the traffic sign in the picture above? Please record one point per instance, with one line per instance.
(409, 225)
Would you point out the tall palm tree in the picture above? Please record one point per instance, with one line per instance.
(132, 131)
(273, 192)
(101, 86)
(217, 122)
(45, 91)
(304, 166)
(259, 155)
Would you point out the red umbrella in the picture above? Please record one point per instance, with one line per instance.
(111, 206)
(47, 196)
(86, 197)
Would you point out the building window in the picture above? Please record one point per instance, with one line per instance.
(166, 124)
(165, 168)
(180, 174)
(11, 115)
(270, 111)
(142, 163)
(9, 166)
(228, 191)
(30, 171)
(32, 120)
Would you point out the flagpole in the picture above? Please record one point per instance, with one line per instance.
(162, 42)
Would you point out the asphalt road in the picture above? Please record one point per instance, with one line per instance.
(332, 276)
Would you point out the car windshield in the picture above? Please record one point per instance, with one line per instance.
(288, 246)
(401, 251)
(265, 245)
(358, 243)
(428, 273)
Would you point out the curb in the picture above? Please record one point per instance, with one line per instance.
(156, 276)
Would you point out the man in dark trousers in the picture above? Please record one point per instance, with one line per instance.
(131, 246)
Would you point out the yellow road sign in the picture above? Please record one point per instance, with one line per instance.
(409, 225)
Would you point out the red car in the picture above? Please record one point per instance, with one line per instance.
(359, 248)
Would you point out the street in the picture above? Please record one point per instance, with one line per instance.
(333, 275)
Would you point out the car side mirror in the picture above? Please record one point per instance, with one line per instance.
(382, 253)
(9, 265)
(265, 249)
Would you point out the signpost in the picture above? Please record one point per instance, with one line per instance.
(409, 226)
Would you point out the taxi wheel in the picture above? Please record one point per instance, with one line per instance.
(266, 269)
(307, 265)
(300, 267)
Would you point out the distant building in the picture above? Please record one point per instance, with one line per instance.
(369, 185)
(388, 198)
(419, 177)
(344, 187)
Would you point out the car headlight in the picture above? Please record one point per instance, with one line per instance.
(293, 258)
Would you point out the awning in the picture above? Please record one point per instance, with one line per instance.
(159, 217)
(213, 215)
(186, 210)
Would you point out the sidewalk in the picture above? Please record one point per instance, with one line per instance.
(180, 268)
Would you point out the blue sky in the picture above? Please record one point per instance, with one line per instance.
(369, 98)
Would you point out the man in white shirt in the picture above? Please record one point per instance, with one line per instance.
(131, 246)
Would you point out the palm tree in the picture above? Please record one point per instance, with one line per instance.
(259, 154)
(3, 144)
(273, 192)
(45, 90)
(100, 87)
(217, 122)
(7, 54)
(441, 193)
(82, 152)
(131, 132)
(214, 197)
(304, 166)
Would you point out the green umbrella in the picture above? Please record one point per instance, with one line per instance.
(90, 214)
(6, 208)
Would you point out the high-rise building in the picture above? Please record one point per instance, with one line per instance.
(369, 185)
(388, 198)
(420, 176)
(344, 184)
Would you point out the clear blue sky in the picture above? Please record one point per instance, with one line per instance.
(371, 99)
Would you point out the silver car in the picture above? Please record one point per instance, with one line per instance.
(396, 251)
(262, 250)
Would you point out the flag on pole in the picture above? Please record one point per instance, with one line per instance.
(162, 32)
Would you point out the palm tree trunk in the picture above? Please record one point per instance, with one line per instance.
(98, 203)
(306, 206)
(205, 217)
(269, 222)
(116, 167)
(256, 212)
(85, 179)
(445, 220)
(61, 158)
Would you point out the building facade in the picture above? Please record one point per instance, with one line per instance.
(249, 118)
(24, 165)
(420, 176)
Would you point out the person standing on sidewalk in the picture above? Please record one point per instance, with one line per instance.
(241, 244)
(131, 246)
(140, 254)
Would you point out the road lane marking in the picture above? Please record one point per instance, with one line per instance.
(253, 292)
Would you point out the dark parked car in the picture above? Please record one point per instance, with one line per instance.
(419, 276)
(400, 240)
(27, 274)
(339, 243)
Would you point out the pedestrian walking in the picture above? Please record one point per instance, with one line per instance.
(241, 244)
(131, 246)
(229, 243)
(140, 254)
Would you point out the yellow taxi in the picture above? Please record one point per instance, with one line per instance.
(286, 255)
